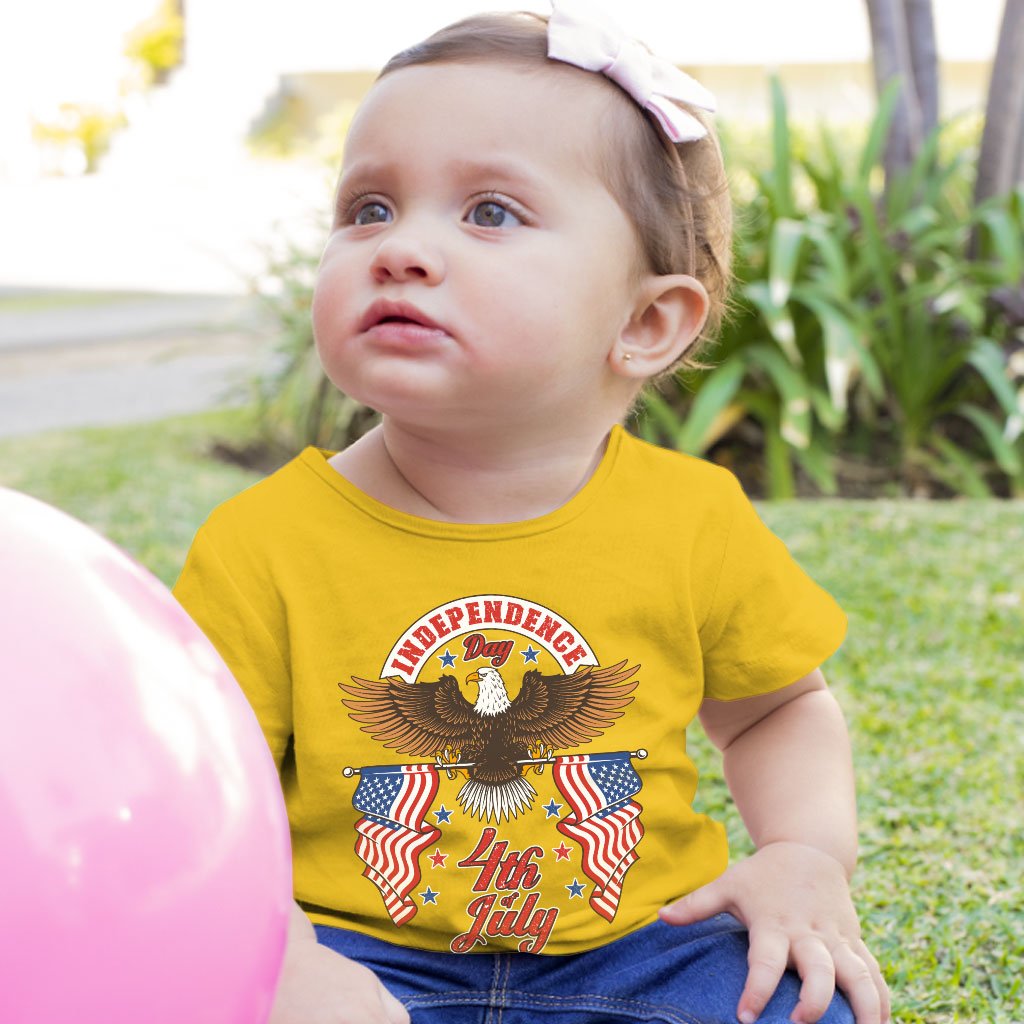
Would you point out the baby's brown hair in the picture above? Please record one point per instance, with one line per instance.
(675, 194)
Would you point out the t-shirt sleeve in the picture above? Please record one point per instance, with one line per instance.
(770, 624)
(220, 608)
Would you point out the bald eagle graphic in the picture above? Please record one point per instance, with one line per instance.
(433, 719)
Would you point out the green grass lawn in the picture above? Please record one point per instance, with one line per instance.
(145, 487)
(931, 677)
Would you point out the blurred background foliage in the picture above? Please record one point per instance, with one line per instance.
(876, 342)
(85, 128)
(81, 133)
(158, 42)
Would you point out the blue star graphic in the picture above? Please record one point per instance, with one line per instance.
(576, 889)
(443, 815)
(447, 659)
(552, 808)
(429, 896)
(530, 655)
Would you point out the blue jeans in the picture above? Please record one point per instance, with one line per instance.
(675, 974)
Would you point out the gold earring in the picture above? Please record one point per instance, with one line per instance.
(626, 356)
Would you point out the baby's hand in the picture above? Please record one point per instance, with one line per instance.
(795, 902)
(319, 986)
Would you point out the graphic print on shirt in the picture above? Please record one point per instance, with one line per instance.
(451, 690)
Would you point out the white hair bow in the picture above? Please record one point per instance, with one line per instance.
(579, 34)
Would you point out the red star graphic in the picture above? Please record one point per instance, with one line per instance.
(437, 858)
(561, 852)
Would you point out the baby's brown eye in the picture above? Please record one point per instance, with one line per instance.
(491, 214)
(371, 213)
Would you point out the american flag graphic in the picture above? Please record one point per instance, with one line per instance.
(605, 820)
(393, 831)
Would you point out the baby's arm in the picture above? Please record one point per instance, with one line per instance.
(319, 986)
(786, 757)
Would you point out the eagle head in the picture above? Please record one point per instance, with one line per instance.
(492, 698)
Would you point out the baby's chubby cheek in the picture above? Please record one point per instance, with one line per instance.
(332, 308)
(327, 298)
(329, 335)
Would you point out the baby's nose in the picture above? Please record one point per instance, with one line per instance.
(402, 257)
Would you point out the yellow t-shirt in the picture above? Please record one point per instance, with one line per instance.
(555, 662)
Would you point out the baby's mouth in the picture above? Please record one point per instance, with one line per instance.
(387, 311)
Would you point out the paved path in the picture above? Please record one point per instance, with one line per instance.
(83, 360)
(84, 339)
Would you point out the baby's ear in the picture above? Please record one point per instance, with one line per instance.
(669, 313)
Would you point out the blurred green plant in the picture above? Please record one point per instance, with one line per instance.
(158, 42)
(82, 130)
(81, 134)
(296, 405)
(861, 327)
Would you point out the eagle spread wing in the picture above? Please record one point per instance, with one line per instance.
(413, 718)
(566, 710)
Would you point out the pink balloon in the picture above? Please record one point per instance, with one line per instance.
(145, 865)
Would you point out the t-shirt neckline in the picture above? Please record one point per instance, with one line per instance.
(315, 459)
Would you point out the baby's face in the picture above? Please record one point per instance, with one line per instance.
(468, 192)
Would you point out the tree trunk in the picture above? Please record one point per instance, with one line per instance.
(891, 56)
(1002, 146)
(924, 59)
(179, 6)
(1019, 162)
